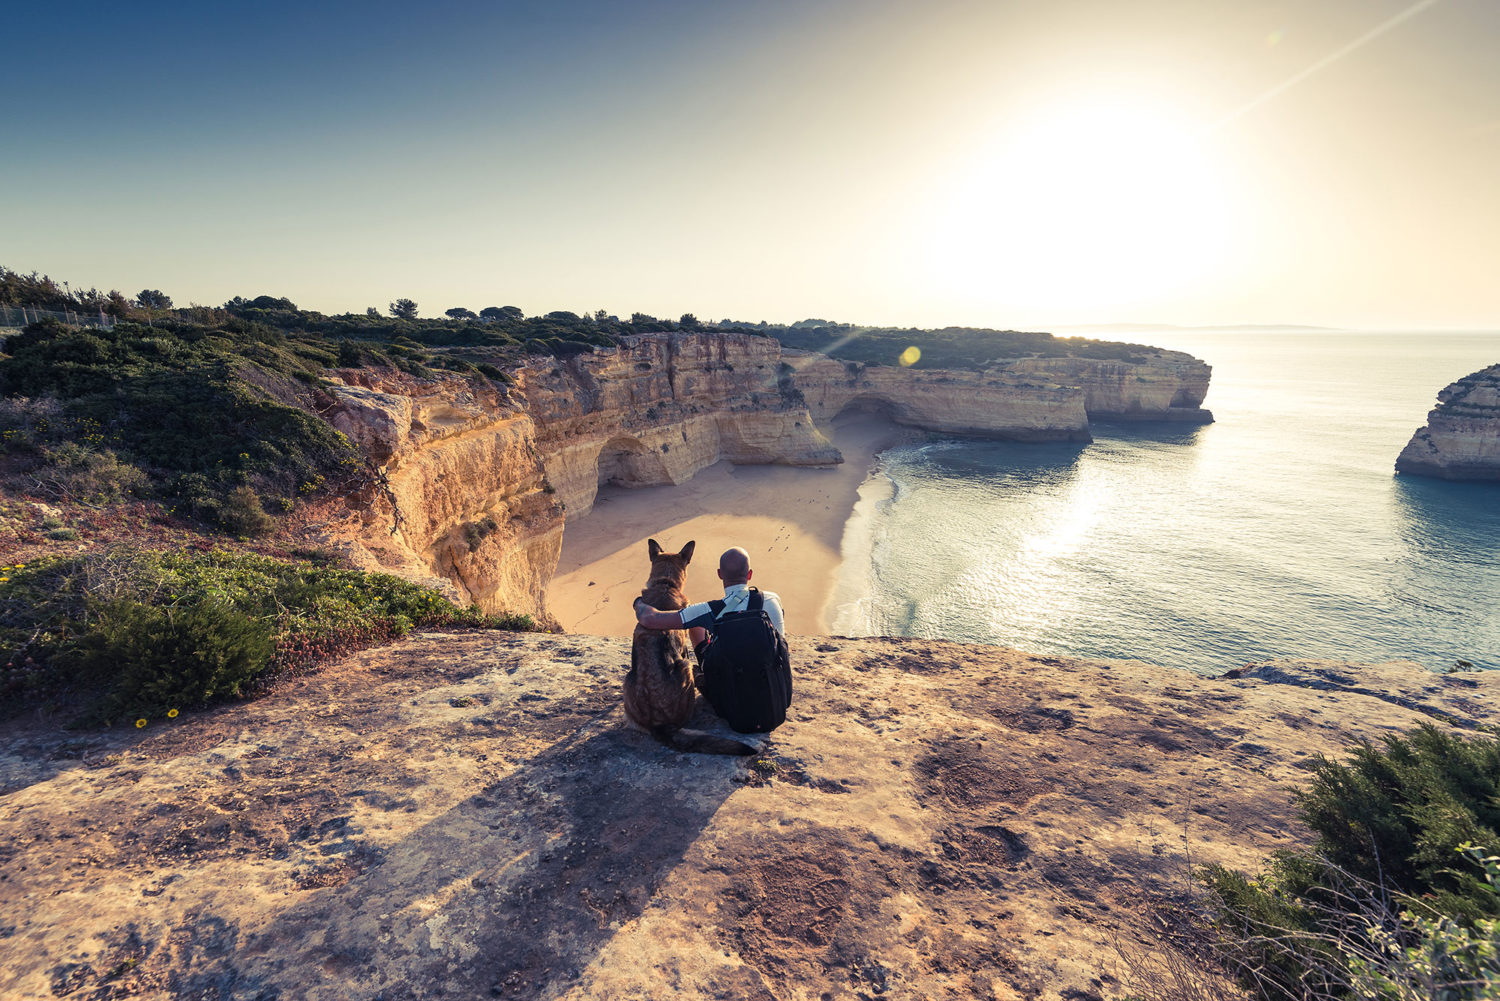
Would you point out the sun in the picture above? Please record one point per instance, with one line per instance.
(1089, 205)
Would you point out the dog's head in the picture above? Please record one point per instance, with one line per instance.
(671, 567)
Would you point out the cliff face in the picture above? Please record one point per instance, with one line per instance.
(464, 500)
(1168, 386)
(995, 404)
(1462, 438)
(478, 479)
(661, 407)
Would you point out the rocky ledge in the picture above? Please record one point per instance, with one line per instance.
(1462, 438)
(467, 815)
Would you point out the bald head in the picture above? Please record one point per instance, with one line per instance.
(734, 566)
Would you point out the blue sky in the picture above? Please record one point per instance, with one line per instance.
(1009, 164)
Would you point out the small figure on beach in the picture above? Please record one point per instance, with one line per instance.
(744, 665)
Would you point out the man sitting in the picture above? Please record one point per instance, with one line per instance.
(744, 665)
(735, 572)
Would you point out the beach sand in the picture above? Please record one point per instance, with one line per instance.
(790, 519)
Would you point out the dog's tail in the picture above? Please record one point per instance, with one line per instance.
(698, 742)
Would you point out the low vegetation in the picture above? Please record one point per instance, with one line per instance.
(950, 347)
(1396, 899)
(123, 634)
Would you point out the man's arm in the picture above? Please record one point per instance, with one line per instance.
(655, 618)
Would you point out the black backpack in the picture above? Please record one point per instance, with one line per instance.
(746, 673)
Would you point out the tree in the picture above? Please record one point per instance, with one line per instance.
(151, 298)
(688, 321)
(459, 313)
(372, 311)
(404, 309)
(643, 319)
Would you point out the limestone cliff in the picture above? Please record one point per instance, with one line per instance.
(1462, 438)
(996, 404)
(660, 407)
(463, 498)
(475, 480)
(1165, 386)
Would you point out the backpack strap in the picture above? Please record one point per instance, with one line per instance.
(755, 602)
(716, 607)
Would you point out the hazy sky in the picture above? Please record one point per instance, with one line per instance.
(1031, 163)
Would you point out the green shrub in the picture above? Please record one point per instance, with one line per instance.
(205, 409)
(143, 660)
(63, 620)
(242, 513)
(1389, 823)
(77, 472)
(1433, 957)
(1396, 815)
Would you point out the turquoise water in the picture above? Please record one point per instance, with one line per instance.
(1279, 530)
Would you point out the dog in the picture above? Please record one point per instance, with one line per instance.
(660, 689)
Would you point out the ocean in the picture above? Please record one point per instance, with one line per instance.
(1281, 530)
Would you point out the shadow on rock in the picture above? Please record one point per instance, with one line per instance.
(512, 892)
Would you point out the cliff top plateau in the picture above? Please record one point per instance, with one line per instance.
(466, 815)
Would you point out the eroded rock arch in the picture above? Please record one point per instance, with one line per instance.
(626, 461)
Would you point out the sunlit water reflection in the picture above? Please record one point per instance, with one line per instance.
(1280, 530)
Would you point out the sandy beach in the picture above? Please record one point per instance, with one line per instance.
(791, 519)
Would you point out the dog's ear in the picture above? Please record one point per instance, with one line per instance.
(653, 547)
(687, 553)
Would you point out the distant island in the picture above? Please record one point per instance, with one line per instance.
(1225, 327)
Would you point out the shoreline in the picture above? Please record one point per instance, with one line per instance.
(791, 519)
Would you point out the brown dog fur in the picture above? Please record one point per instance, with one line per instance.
(659, 690)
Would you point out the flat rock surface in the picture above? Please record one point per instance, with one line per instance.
(466, 815)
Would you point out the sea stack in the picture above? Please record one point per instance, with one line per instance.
(1462, 438)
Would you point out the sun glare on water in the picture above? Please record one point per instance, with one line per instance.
(1093, 205)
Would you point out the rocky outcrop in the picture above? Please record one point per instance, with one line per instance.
(461, 496)
(660, 407)
(1462, 438)
(1163, 386)
(995, 404)
(475, 480)
(467, 815)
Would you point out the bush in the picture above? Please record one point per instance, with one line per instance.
(1389, 824)
(206, 409)
(1433, 957)
(64, 620)
(145, 660)
(243, 514)
(476, 532)
(75, 472)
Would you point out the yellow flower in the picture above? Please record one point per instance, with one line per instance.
(140, 723)
(171, 714)
(4, 579)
